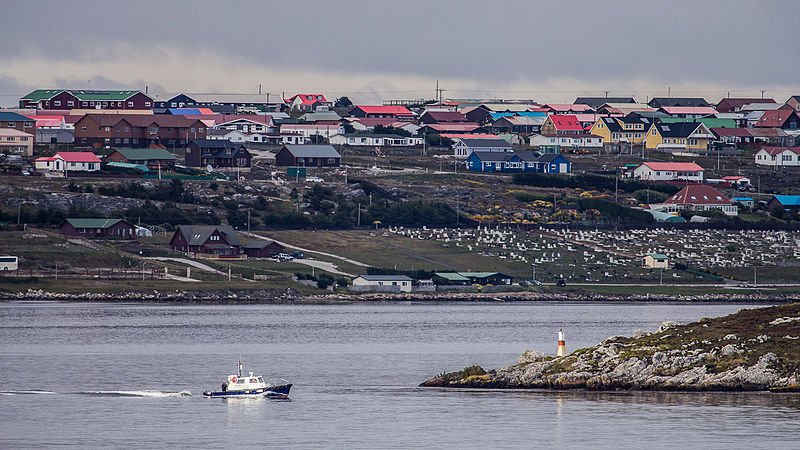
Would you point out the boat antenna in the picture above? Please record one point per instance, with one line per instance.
(239, 367)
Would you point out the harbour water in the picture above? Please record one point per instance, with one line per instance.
(119, 375)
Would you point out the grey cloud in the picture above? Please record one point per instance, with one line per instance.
(516, 41)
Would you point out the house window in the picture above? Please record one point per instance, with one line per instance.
(83, 140)
(130, 104)
(57, 103)
(70, 103)
(146, 103)
(27, 124)
(12, 124)
(91, 103)
(83, 103)
(653, 132)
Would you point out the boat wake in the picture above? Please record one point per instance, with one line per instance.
(151, 394)
(29, 392)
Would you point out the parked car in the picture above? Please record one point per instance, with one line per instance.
(314, 180)
(284, 257)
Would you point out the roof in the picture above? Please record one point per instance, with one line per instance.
(775, 119)
(121, 165)
(384, 277)
(308, 99)
(525, 120)
(145, 153)
(199, 234)
(698, 194)
(710, 122)
(479, 274)
(596, 102)
(740, 132)
(762, 107)
(677, 129)
(778, 150)
(93, 223)
(7, 116)
(455, 127)
(469, 136)
(767, 132)
(485, 143)
(258, 244)
(678, 101)
(218, 98)
(446, 116)
(674, 166)
(13, 132)
(451, 276)
(731, 104)
(659, 256)
(564, 107)
(142, 120)
(704, 110)
(216, 143)
(317, 116)
(378, 109)
(566, 122)
(312, 151)
(787, 200)
(42, 94)
(78, 157)
(612, 124)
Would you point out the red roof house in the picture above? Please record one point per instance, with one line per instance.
(781, 118)
(700, 197)
(376, 112)
(308, 102)
(561, 124)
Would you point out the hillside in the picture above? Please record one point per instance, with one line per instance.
(752, 350)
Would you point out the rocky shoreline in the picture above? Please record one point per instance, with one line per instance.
(289, 295)
(752, 350)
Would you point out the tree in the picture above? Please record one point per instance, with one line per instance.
(343, 102)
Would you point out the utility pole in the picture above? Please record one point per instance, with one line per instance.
(358, 216)
(248, 220)
(762, 93)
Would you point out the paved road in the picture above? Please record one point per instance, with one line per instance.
(323, 265)
(195, 264)
(305, 250)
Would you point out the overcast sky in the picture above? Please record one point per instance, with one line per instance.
(374, 50)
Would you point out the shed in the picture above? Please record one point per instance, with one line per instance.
(655, 261)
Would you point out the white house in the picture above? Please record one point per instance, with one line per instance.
(396, 283)
(311, 129)
(256, 124)
(69, 162)
(666, 171)
(778, 156)
(589, 141)
(375, 140)
(462, 147)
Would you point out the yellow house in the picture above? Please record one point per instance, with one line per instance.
(630, 129)
(678, 136)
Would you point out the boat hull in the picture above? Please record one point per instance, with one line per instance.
(281, 391)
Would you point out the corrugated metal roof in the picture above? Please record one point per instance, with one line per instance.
(312, 151)
(93, 223)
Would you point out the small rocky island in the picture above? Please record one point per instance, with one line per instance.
(752, 350)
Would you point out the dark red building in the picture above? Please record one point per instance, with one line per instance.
(262, 249)
(17, 122)
(137, 130)
(98, 228)
(64, 99)
(210, 241)
(218, 153)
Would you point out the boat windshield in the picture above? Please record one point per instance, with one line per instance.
(253, 380)
(260, 380)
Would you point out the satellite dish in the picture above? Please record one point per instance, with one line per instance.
(209, 168)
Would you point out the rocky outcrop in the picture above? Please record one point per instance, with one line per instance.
(752, 350)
